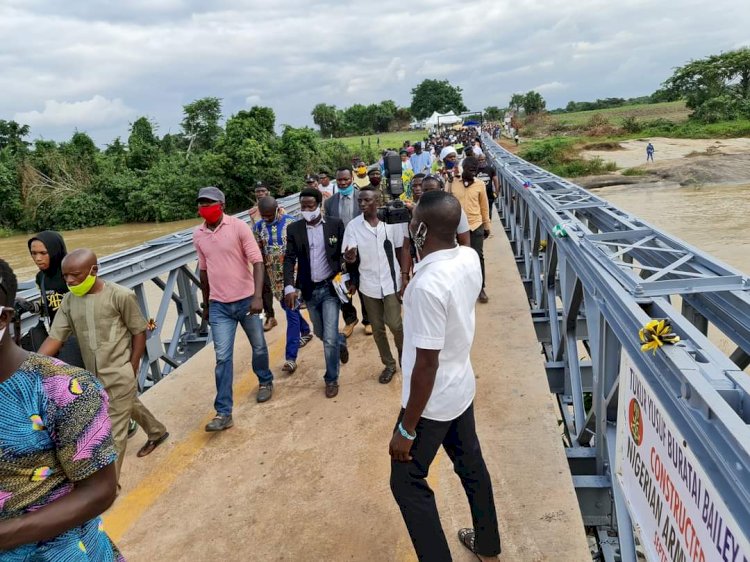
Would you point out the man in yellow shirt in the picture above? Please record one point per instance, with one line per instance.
(472, 194)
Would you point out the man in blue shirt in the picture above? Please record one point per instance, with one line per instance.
(420, 160)
(271, 235)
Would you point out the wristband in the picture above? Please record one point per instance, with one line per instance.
(405, 434)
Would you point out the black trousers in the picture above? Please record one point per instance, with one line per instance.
(417, 501)
(477, 243)
(350, 313)
(267, 295)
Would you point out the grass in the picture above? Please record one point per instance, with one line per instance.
(561, 156)
(7, 232)
(387, 140)
(674, 111)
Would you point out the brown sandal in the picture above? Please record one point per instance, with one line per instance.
(149, 447)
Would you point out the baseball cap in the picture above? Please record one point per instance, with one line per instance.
(211, 193)
(372, 169)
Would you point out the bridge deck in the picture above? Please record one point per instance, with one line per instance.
(305, 478)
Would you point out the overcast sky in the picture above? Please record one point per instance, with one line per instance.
(97, 65)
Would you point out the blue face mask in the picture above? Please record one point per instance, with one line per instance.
(347, 191)
(450, 164)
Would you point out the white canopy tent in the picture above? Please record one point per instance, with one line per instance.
(437, 119)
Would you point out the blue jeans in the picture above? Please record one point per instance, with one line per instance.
(323, 308)
(224, 317)
(296, 326)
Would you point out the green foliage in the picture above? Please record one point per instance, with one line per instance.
(10, 195)
(560, 156)
(493, 113)
(436, 95)
(716, 87)
(12, 136)
(531, 103)
(143, 146)
(326, 117)
(630, 124)
(201, 123)
(634, 172)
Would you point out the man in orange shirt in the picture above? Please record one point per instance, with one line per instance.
(472, 194)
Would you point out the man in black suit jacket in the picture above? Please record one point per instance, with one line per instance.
(313, 246)
(345, 206)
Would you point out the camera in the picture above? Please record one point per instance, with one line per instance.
(394, 211)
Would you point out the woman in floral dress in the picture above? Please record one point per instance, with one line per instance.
(57, 472)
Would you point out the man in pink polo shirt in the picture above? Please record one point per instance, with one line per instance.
(232, 294)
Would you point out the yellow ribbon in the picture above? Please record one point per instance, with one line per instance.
(656, 333)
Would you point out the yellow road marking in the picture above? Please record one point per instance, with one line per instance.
(129, 508)
(405, 545)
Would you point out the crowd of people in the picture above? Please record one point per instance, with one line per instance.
(68, 408)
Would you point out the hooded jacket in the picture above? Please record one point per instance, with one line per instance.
(50, 282)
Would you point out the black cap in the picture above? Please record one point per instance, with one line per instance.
(261, 184)
(211, 193)
(310, 178)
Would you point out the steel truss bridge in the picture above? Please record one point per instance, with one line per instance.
(594, 276)
(170, 264)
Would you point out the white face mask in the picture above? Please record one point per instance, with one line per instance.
(311, 216)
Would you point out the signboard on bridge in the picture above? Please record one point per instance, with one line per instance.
(675, 508)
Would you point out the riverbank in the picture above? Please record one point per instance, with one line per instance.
(678, 162)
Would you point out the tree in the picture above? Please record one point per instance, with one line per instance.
(143, 146)
(516, 103)
(12, 135)
(493, 113)
(436, 95)
(201, 123)
(533, 103)
(327, 118)
(721, 81)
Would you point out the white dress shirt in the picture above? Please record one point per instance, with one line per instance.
(375, 277)
(439, 315)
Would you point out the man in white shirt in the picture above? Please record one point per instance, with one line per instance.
(438, 387)
(376, 247)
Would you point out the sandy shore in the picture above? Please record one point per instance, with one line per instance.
(677, 162)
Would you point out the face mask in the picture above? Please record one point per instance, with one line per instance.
(347, 190)
(361, 171)
(82, 289)
(418, 238)
(375, 180)
(210, 214)
(450, 164)
(311, 216)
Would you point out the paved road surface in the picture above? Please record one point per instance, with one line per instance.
(306, 478)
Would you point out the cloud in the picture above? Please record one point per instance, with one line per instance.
(98, 111)
(86, 64)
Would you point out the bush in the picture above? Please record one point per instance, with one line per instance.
(631, 125)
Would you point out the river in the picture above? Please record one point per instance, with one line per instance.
(715, 219)
(103, 240)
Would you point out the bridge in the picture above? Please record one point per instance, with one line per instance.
(596, 447)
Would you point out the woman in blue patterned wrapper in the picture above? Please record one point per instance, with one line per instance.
(57, 472)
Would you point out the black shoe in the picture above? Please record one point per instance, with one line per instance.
(343, 353)
(265, 391)
(220, 423)
(387, 374)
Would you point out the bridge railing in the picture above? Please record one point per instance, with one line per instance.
(170, 264)
(658, 441)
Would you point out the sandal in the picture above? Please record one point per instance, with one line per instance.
(289, 367)
(466, 536)
(150, 445)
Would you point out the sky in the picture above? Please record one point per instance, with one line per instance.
(96, 66)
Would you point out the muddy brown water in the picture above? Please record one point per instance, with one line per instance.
(104, 240)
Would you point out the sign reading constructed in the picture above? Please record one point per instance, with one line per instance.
(675, 508)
